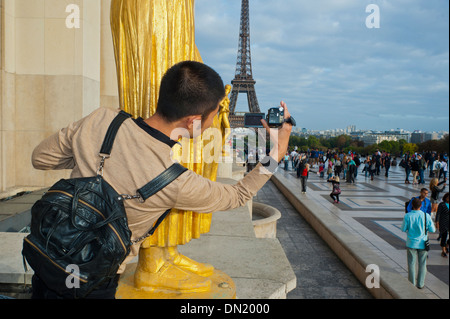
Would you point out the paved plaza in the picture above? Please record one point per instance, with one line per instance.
(320, 273)
(373, 211)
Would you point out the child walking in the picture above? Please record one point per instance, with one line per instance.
(336, 189)
(321, 169)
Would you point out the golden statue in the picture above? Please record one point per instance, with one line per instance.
(224, 112)
(150, 36)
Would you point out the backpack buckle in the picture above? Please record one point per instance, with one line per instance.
(129, 197)
(102, 163)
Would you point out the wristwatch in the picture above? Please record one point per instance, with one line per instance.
(291, 121)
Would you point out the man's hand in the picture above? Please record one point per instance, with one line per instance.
(279, 137)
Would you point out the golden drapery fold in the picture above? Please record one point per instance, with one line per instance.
(149, 37)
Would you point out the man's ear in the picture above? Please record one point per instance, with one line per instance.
(193, 121)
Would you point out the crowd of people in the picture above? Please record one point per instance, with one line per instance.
(422, 216)
(346, 165)
(417, 164)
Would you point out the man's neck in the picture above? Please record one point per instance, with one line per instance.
(158, 123)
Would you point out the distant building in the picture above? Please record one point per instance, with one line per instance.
(378, 137)
(420, 137)
(433, 136)
(351, 129)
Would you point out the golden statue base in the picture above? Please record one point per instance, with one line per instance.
(222, 287)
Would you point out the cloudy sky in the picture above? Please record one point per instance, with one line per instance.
(330, 68)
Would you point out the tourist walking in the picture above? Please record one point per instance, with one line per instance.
(436, 167)
(444, 168)
(435, 191)
(430, 164)
(387, 164)
(417, 224)
(286, 161)
(406, 164)
(442, 224)
(336, 192)
(414, 169)
(377, 158)
(321, 168)
(366, 168)
(426, 203)
(357, 163)
(344, 166)
(422, 168)
(351, 167)
(337, 167)
(330, 169)
(293, 158)
(304, 173)
(372, 167)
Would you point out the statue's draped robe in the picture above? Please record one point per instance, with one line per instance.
(149, 37)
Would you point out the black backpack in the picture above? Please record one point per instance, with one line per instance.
(407, 204)
(79, 230)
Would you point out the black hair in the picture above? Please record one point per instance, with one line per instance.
(445, 198)
(416, 204)
(189, 88)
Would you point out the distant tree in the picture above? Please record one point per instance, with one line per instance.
(440, 146)
(343, 141)
(313, 142)
(385, 146)
(410, 147)
(297, 141)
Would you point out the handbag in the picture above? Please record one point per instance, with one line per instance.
(79, 228)
(427, 241)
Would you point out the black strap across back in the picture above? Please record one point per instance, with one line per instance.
(154, 186)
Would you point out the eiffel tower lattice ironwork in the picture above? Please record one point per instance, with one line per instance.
(243, 81)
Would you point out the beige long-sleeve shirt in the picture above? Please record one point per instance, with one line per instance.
(137, 158)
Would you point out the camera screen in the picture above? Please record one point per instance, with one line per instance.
(275, 116)
(253, 119)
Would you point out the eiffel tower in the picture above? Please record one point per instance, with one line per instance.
(243, 81)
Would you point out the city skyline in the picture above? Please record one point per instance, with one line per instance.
(356, 129)
(325, 62)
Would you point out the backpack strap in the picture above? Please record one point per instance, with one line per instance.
(108, 142)
(152, 231)
(157, 184)
(161, 181)
(112, 132)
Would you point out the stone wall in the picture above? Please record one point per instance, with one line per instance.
(52, 73)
